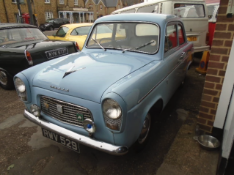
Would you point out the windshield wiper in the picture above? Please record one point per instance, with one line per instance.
(99, 44)
(139, 47)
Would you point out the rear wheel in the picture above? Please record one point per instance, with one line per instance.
(5, 81)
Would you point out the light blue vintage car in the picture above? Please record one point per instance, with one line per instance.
(105, 95)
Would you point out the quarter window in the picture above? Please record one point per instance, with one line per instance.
(170, 38)
(62, 31)
(181, 35)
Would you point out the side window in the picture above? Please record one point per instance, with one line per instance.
(189, 10)
(170, 38)
(81, 31)
(181, 35)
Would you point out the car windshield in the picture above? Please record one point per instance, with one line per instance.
(17, 35)
(62, 31)
(131, 36)
(81, 30)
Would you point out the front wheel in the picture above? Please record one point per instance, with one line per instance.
(144, 135)
(5, 81)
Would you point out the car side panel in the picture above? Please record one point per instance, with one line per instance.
(13, 61)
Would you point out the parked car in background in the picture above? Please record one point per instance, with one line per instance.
(193, 14)
(51, 24)
(73, 32)
(106, 96)
(23, 46)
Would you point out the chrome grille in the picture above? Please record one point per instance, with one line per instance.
(69, 114)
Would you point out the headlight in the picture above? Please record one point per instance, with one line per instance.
(111, 109)
(21, 89)
(112, 114)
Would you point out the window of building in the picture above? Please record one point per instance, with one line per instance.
(20, 1)
(48, 15)
(61, 1)
(47, 1)
(100, 7)
(75, 2)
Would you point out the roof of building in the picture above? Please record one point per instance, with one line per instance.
(15, 25)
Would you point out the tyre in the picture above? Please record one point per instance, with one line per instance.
(144, 135)
(6, 82)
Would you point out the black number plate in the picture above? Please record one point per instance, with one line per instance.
(61, 139)
(56, 53)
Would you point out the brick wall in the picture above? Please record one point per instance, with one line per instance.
(220, 51)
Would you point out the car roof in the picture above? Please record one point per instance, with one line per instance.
(141, 17)
(153, 2)
(15, 25)
(74, 25)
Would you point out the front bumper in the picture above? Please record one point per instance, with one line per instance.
(102, 146)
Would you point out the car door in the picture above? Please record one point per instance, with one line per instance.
(185, 50)
(172, 58)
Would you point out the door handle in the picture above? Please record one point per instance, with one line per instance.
(182, 55)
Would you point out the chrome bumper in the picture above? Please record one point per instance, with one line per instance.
(200, 49)
(102, 146)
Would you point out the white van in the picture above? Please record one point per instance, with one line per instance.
(192, 12)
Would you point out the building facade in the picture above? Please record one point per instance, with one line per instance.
(77, 11)
(220, 51)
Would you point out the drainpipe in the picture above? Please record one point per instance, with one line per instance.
(5, 10)
(19, 11)
(30, 12)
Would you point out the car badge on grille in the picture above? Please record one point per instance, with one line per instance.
(59, 88)
(60, 108)
(46, 105)
(80, 117)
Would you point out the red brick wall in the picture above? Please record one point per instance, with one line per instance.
(220, 51)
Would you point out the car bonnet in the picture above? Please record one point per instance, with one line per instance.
(87, 76)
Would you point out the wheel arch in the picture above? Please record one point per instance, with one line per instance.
(2, 69)
(156, 108)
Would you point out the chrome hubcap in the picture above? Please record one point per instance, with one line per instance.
(145, 129)
(3, 78)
